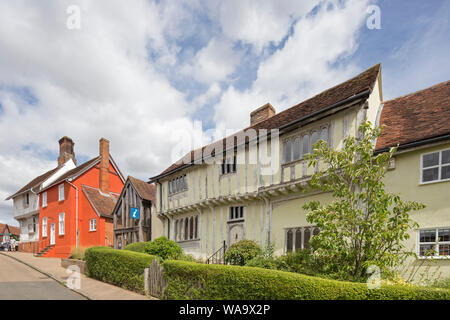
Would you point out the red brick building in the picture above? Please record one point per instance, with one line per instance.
(75, 209)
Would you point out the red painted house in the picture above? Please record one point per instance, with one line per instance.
(75, 210)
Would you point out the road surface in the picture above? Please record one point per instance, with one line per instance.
(20, 282)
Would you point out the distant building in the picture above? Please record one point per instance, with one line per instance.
(69, 206)
(135, 218)
(7, 232)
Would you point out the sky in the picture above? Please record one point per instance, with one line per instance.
(158, 78)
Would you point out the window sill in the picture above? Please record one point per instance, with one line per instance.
(432, 182)
(92, 230)
(190, 240)
(235, 221)
(434, 258)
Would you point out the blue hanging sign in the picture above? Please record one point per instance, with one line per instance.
(135, 213)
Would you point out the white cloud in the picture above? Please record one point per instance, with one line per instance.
(302, 67)
(215, 62)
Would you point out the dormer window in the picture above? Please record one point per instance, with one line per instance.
(229, 165)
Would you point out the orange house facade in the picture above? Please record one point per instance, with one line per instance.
(75, 210)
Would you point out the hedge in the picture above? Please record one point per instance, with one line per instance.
(187, 280)
(119, 267)
(136, 247)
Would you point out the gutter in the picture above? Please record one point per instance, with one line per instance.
(76, 213)
(415, 143)
(360, 95)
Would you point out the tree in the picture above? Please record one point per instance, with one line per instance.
(364, 225)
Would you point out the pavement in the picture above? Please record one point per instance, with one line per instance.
(20, 282)
(51, 270)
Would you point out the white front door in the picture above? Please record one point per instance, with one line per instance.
(235, 233)
(52, 234)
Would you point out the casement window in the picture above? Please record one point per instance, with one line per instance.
(44, 199)
(295, 148)
(61, 224)
(92, 224)
(61, 192)
(434, 242)
(435, 166)
(186, 228)
(44, 227)
(26, 200)
(236, 213)
(228, 165)
(298, 238)
(178, 184)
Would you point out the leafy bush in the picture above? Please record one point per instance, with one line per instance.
(187, 280)
(441, 283)
(136, 247)
(119, 267)
(241, 252)
(164, 248)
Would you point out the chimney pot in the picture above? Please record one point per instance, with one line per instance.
(262, 113)
(104, 165)
(66, 152)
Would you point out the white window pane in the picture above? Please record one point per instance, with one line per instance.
(445, 172)
(287, 151)
(444, 249)
(426, 250)
(324, 134)
(427, 235)
(444, 234)
(305, 145)
(445, 157)
(314, 139)
(430, 174)
(431, 159)
(296, 148)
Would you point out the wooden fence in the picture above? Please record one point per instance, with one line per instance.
(154, 281)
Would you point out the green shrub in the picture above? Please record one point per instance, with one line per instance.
(119, 267)
(262, 262)
(164, 248)
(78, 253)
(441, 283)
(241, 252)
(187, 280)
(136, 247)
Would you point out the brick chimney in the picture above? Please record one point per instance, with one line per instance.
(66, 150)
(104, 165)
(262, 113)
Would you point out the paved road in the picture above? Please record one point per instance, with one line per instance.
(20, 282)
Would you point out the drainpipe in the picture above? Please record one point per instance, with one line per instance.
(76, 213)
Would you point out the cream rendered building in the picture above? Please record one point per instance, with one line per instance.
(206, 202)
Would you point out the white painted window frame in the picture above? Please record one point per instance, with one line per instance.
(436, 244)
(61, 222)
(439, 166)
(44, 227)
(44, 200)
(234, 209)
(92, 225)
(61, 192)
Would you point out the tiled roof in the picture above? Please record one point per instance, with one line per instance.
(75, 171)
(145, 190)
(13, 230)
(362, 82)
(34, 183)
(103, 203)
(415, 117)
